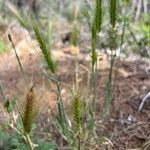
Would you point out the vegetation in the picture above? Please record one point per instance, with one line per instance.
(76, 124)
(2, 46)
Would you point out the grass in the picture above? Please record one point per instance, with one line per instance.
(72, 133)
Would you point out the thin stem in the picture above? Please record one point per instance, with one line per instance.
(60, 103)
(77, 72)
(121, 43)
(13, 127)
(94, 74)
(93, 108)
(20, 65)
(108, 94)
(79, 142)
(2, 91)
(29, 142)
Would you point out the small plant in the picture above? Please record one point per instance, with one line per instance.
(28, 110)
(108, 93)
(77, 117)
(96, 28)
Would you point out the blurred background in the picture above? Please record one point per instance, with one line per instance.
(135, 14)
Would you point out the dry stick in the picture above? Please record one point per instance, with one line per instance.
(143, 102)
(21, 68)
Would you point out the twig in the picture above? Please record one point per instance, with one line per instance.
(20, 65)
(143, 101)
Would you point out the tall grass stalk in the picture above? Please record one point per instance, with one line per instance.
(96, 28)
(74, 39)
(98, 15)
(46, 53)
(28, 110)
(62, 122)
(48, 59)
(112, 12)
(62, 118)
(28, 115)
(108, 93)
(121, 49)
(18, 59)
(76, 109)
(74, 34)
(125, 9)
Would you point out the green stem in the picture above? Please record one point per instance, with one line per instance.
(60, 103)
(94, 77)
(121, 49)
(79, 143)
(77, 72)
(93, 108)
(29, 142)
(108, 94)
